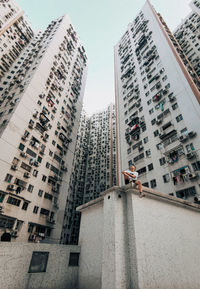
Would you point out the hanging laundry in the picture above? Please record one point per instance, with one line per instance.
(134, 127)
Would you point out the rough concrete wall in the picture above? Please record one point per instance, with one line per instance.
(91, 240)
(148, 243)
(14, 265)
(167, 244)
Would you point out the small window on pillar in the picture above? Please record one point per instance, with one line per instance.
(74, 259)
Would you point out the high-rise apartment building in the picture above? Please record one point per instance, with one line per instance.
(94, 167)
(15, 34)
(188, 36)
(157, 104)
(41, 102)
(195, 5)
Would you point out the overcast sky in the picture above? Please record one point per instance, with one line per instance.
(100, 24)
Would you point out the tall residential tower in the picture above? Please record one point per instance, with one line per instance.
(15, 34)
(157, 103)
(41, 101)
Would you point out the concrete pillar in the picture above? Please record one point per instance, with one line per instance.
(115, 265)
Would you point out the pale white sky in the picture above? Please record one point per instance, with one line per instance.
(100, 24)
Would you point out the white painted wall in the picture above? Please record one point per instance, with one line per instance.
(148, 243)
(91, 240)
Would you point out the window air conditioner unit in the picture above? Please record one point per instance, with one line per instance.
(193, 176)
(159, 121)
(182, 138)
(197, 198)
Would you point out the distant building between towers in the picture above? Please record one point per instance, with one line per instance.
(94, 167)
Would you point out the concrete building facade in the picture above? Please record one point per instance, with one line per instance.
(15, 34)
(156, 86)
(39, 119)
(94, 167)
(188, 36)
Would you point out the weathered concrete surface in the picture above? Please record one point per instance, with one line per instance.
(91, 242)
(14, 265)
(148, 243)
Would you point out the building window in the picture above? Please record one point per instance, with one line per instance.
(47, 165)
(151, 111)
(38, 262)
(184, 194)
(150, 167)
(8, 178)
(144, 128)
(179, 118)
(13, 201)
(44, 212)
(190, 148)
(153, 183)
(44, 178)
(166, 178)
(130, 163)
(39, 159)
(25, 206)
(74, 259)
(21, 147)
(40, 193)
(156, 133)
(48, 196)
(184, 131)
(30, 188)
(162, 161)
(148, 153)
(196, 166)
(164, 78)
(35, 209)
(159, 146)
(35, 173)
(2, 196)
(175, 106)
(142, 170)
